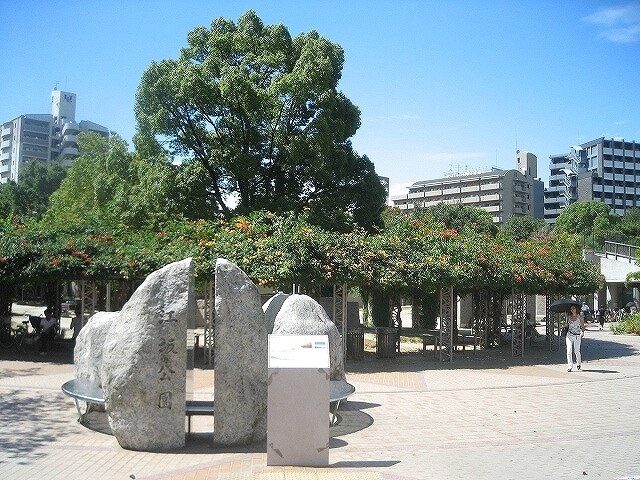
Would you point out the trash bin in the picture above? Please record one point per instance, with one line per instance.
(386, 339)
(355, 344)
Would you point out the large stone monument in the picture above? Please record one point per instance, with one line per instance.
(144, 362)
(87, 353)
(302, 315)
(240, 382)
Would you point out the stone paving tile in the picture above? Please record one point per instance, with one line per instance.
(487, 417)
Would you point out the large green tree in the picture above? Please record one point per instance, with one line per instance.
(30, 195)
(591, 220)
(521, 227)
(111, 185)
(262, 114)
(627, 229)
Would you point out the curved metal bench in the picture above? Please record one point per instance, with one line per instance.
(339, 390)
(81, 389)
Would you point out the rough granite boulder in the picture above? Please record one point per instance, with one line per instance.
(87, 354)
(302, 315)
(240, 382)
(144, 362)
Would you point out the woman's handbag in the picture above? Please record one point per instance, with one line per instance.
(565, 329)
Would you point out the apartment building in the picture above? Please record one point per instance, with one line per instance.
(502, 193)
(43, 137)
(606, 170)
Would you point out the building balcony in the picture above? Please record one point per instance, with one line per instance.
(552, 212)
(490, 197)
(41, 142)
(69, 152)
(35, 129)
(473, 199)
(490, 186)
(4, 168)
(5, 132)
(70, 128)
(413, 195)
(559, 165)
(70, 140)
(5, 144)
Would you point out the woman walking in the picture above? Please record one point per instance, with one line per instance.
(575, 323)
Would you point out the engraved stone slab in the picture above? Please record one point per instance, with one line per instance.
(302, 315)
(240, 382)
(144, 362)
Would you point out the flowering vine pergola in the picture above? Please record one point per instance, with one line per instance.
(414, 255)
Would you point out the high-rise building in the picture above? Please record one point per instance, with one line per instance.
(43, 137)
(607, 170)
(502, 193)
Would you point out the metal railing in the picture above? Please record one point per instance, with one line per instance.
(620, 250)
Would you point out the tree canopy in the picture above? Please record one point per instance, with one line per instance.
(591, 220)
(414, 253)
(30, 195)
(262, 114)
(109, 185)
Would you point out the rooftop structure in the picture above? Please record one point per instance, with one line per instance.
(607, 170)
(43, 137)
(502, 193)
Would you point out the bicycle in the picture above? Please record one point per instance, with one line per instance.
(24, 339)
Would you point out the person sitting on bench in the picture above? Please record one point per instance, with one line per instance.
(48, 325)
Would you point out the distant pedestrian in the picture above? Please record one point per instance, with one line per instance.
(601, 315)
(49, 325)
(76, 323)
(586, 312)
(575, 323)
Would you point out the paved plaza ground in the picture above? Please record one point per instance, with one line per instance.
(482, 416)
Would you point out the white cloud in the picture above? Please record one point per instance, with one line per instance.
(617, 24)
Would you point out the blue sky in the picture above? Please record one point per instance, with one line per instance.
(441, 85)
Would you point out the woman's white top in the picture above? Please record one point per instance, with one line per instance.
(574, 324)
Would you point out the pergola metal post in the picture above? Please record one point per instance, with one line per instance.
(88, 298)
(518, 317)
(340, 295)
(446, 324)
(481, 318)
(395, 304)
(552, 326)
(108, 295)
(209, 319)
